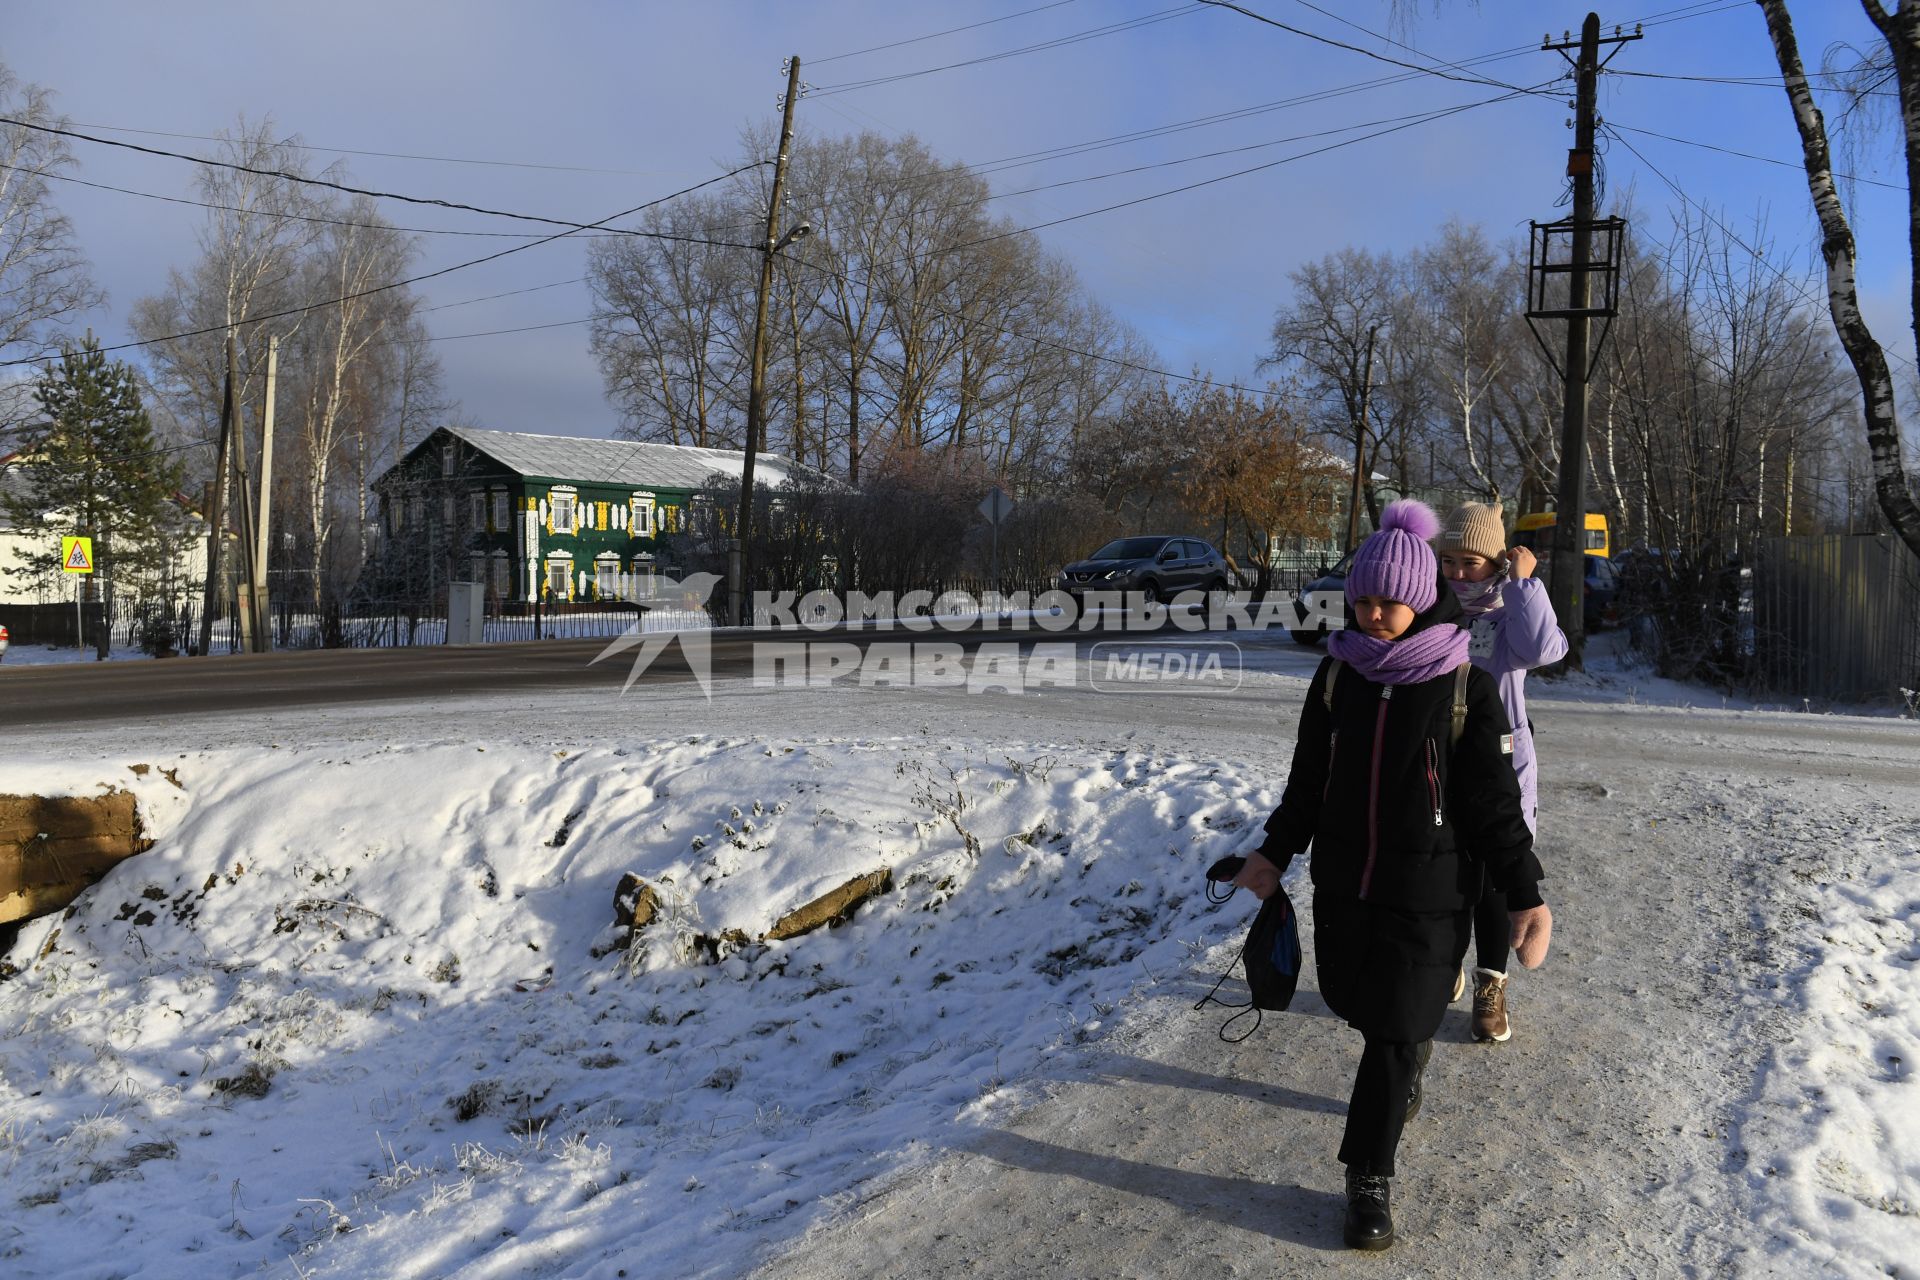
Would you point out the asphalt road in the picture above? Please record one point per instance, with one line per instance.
(67, 693)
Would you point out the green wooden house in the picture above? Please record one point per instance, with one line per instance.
(557, 518)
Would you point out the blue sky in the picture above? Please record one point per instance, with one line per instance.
(660, 92)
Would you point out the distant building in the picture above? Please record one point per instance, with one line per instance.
(557, 518)
(25, 544)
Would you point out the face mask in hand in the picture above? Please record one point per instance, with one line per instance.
(1479, 597)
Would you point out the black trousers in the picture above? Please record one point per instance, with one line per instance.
(1389, 974)
(1492, 931)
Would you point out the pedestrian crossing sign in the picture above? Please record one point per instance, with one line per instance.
(76, 555)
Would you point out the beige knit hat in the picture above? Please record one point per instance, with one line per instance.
(1475, 529)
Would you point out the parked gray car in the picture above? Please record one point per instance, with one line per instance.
(1158, 567)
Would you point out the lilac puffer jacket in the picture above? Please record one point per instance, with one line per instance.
(1506, 643)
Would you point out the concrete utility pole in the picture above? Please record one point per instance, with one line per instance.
(263, 542)
(216, 518)
(1567, 583)
(739, 602)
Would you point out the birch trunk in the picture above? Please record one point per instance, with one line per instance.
(1902, 32)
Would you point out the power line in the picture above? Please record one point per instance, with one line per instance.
(1354, 48)
(1734, 236)
(1241, 173)
(1328, 13)
(869, 281)
(1756, 82)
(814, 62)
(429, 275)
(1321, 95)
(525, 328)
(384, 155)
(1239, 113)
(511, 293)
(1417, 117)
(292, 217)
(1795, 165)
(1079, 37)
(323, 182)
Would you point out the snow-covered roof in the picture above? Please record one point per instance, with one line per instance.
(622, 462)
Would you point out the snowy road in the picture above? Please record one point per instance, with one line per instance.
(1713, 1075)
(1611, 1136)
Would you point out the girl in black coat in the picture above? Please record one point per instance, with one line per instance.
(1408, 817)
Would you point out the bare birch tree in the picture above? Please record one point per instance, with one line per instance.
(1900, 29)
(43, 276)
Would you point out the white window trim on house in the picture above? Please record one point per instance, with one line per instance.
(563, 562)
(500, 510)
(571, 497)
(477, 567)
(640, 507)
(477, 511)
(502, 575)
(606, 575)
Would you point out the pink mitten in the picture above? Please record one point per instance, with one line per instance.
(1532, 931)
(1259, 875)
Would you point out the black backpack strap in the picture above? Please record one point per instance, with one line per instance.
(1459, 729)
(1326, 690)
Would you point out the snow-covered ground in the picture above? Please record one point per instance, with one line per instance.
(39, 655)
(356, 1014)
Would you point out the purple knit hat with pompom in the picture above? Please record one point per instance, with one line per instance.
(1396, 563)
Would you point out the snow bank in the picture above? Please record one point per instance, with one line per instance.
(1831, 1140)
(361, 1011)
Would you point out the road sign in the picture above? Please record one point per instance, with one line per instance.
(996, 506)
(76, 555)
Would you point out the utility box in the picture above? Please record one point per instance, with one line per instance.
(466, 616)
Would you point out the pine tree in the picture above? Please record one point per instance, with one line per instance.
(92, 467)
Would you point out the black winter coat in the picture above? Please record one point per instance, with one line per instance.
(1395, 813)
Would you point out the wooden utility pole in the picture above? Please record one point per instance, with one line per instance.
(1567, 583)
(243, 602)
(1360, 443)
(740, 601)
(262, 540)
(216, 518)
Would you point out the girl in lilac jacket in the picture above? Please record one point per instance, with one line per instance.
(1511, 629)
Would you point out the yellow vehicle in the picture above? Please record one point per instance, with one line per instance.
(1535, 533)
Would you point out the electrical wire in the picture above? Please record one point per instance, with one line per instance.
(293, 217)
(384, 155)
(1115, 28)
(1224, 117)
(1757, 82)
(1241, 173)
(1417, 117)
(323, 182)
(1354, 48)
(1734, 236)
(1795, 165)
(511, 293)
(525, 328)
(815, 62)
(147, 453)
(429, 275)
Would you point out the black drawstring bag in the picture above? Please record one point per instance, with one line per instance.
(1271, 955)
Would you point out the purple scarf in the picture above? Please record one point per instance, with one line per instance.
(1417, 658)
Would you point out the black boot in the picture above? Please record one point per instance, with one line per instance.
(1419, 1074)
(1369, 1222)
